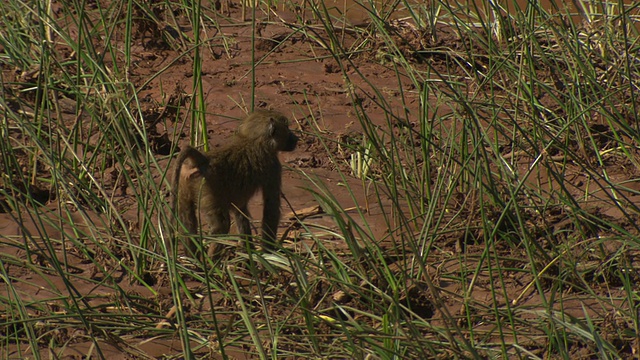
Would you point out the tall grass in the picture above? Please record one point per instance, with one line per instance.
(508, 192)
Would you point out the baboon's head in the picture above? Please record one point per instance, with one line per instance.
(270, 126)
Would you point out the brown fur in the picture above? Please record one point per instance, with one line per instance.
(223, 180)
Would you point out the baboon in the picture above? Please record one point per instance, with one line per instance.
(223, 180)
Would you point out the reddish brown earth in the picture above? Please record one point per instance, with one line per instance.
(306, 90)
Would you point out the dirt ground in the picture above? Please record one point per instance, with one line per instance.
(303, 90)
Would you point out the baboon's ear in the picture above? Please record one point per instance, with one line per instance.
(272, 127)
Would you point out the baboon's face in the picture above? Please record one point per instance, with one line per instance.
(291, 143)
(272, 125)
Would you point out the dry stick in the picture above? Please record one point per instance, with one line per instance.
(168, 316)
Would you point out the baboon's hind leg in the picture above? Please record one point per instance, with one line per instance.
(220, 223)
(243, 224)
(186, 212)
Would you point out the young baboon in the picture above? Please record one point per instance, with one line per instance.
(223, 180)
